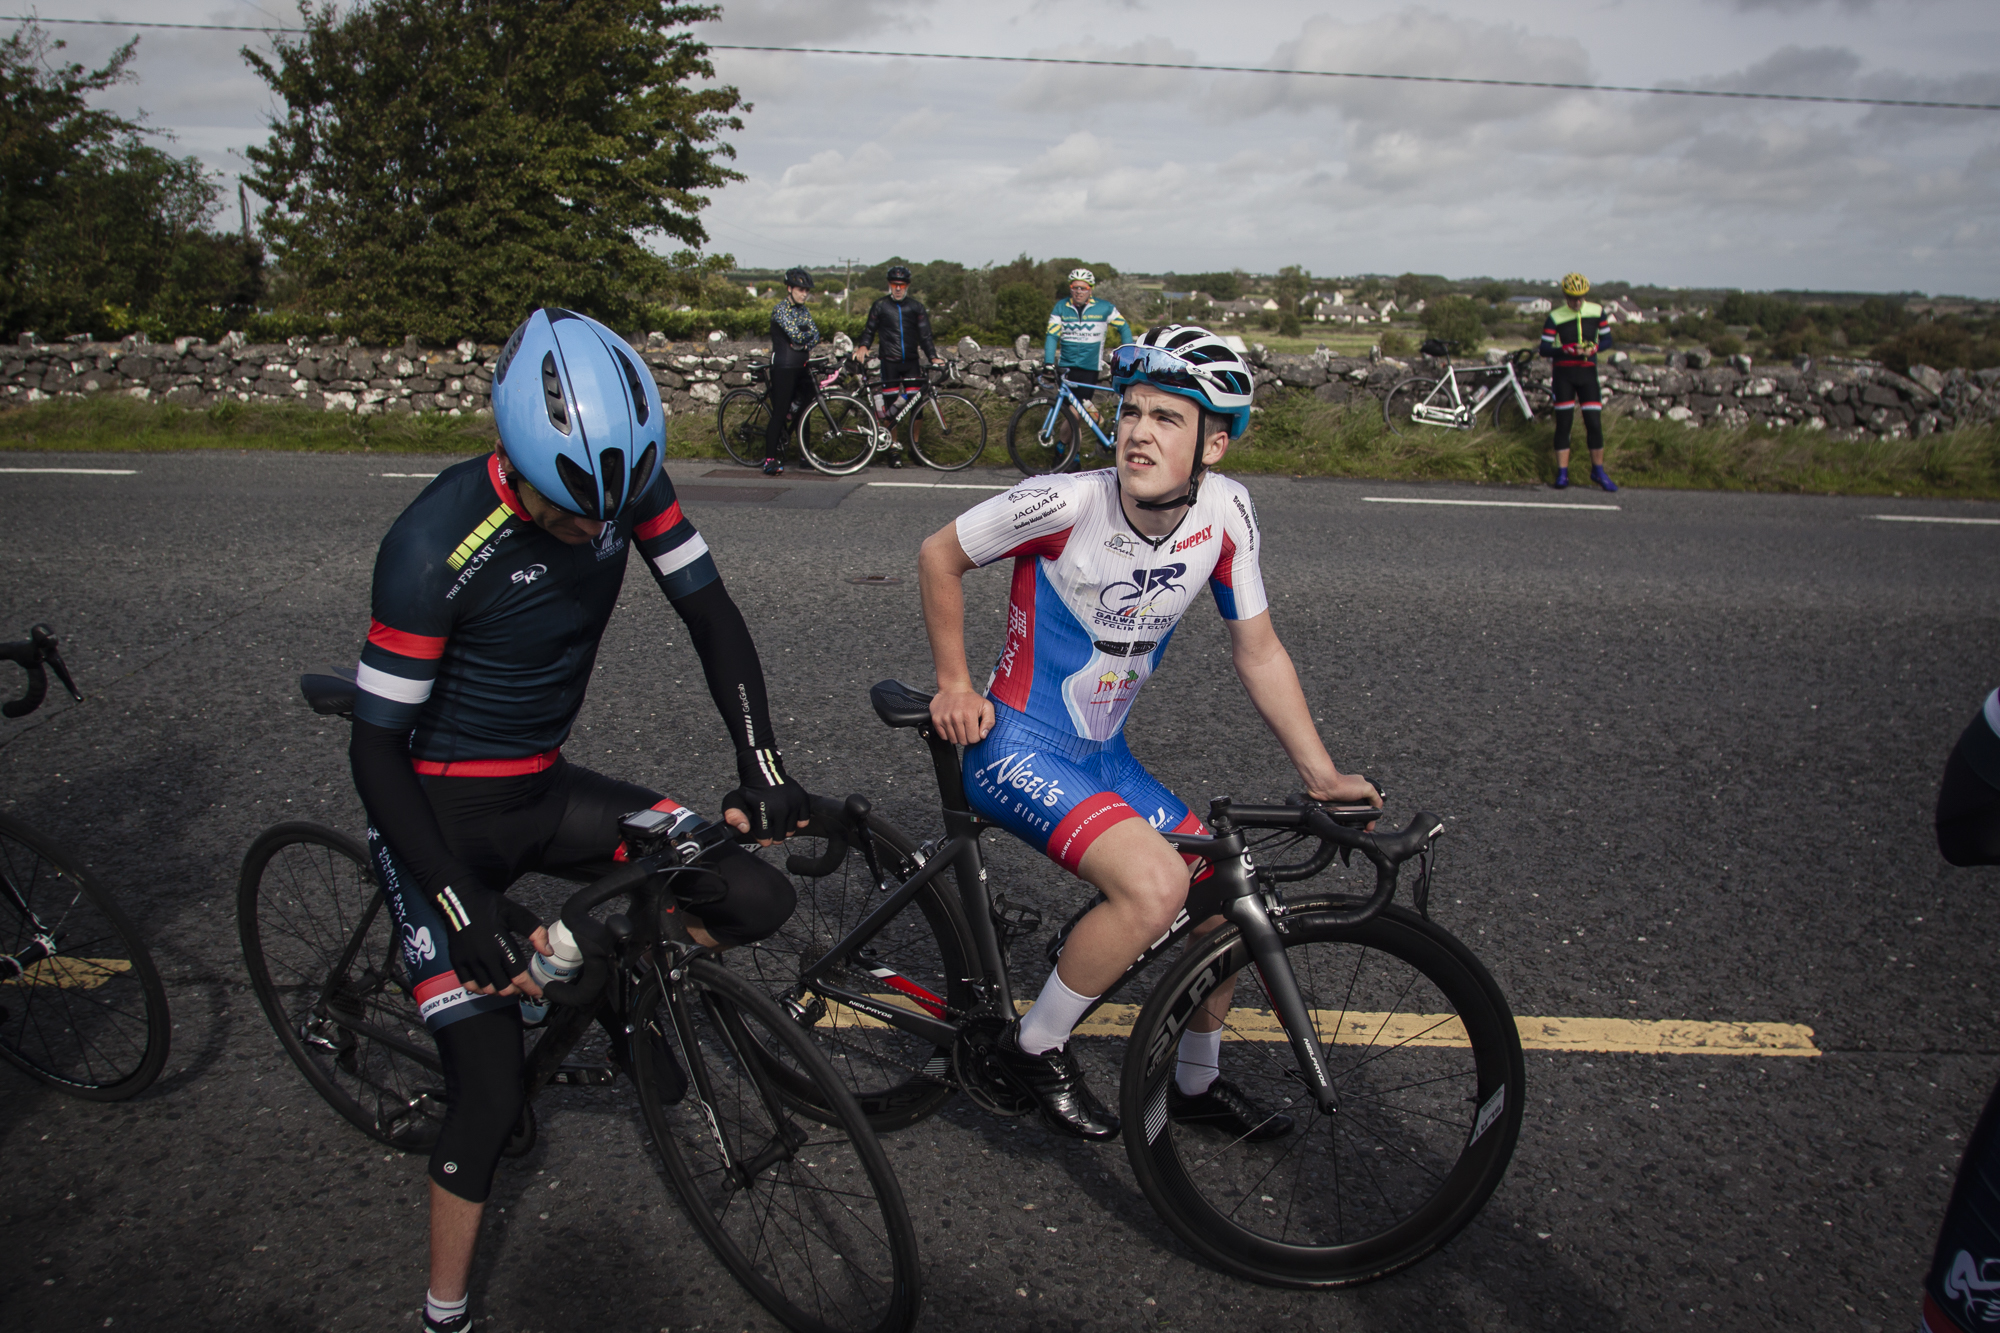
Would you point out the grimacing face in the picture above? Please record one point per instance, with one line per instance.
(1158, 433)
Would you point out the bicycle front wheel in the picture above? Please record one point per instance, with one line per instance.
(1507, 414)
(1034, 437)
(837, 434)
(921, 959)
(1427, 1073)
(948, 432)
(321, 947)
(81, 1005)
(743, 418)
(808, 1216)
(1397, 407)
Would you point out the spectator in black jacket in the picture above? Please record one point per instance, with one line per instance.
(904, 326)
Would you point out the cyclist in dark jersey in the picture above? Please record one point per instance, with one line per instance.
(793, 336)
(1962, 1290)
(904, 326)
(491, 592)
(1572, 336)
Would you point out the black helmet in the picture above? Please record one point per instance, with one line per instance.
(899, 274)
(798, 277)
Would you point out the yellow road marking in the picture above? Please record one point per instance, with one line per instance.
(1355, 1028)
(72, 973)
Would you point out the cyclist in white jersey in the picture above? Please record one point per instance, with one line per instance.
(1105, 564)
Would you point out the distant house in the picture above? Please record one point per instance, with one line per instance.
(1625, 310)
(1386, 309)
(1246, 307)
(1531, 305)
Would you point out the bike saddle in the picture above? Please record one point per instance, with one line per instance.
(330, 693)
(899, 705)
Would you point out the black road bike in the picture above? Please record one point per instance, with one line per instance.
(805, 1211)
(81, 1004)
(1367, 1022)
(829, 428)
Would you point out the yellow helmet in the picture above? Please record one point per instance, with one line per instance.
(1575, 284)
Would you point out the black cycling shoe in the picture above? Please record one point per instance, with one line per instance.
(1055, 1081)
(457, 1324)
(1224, 1107)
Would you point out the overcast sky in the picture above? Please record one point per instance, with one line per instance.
(1156, 170)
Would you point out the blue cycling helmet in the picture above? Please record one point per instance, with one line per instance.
(1188, 360)
(578, 414)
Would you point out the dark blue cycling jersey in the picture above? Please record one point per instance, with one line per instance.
(485, 627)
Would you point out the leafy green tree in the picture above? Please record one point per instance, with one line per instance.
(1493, 293)
(443, 166)
(1290, 290)
(99, 231)
(1459, 321)
(1021, 307)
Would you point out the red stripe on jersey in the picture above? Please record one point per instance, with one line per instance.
(487, 768)
(1936, 1320)
(1225, 567)
(1084, 825)
(441, 984)
(1015, 676)
(426, 647)
(653, 527)
(1047, 547)
(503, 490)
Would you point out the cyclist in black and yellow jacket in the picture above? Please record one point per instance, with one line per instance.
(1572, 336)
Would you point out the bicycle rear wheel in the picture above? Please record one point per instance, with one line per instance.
(1426, 1065)
(1507, 413)
(1034, 439)
(1397, 407)
(923, 958)
(947, 433)
(808, 1216)
(321, 947)
(837, 434)
(81, 1005)
(742, 418)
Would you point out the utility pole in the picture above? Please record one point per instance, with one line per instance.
(243, 207)
(847, 284)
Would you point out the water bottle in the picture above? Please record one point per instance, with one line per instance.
(561, 965)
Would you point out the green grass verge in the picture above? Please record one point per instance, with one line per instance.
(1296, 435)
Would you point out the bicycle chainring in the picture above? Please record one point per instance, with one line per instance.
(981, 1076)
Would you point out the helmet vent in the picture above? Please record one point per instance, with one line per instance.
(640, 408)
(582, 486)
(507, 354)
(552, 394)
(642, 471)
(614, 479)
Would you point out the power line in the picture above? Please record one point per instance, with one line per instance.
(1204, 69)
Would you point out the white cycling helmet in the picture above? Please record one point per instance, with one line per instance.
(1084, 276)
(1189, 360)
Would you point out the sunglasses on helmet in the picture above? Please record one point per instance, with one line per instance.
(1159, 366)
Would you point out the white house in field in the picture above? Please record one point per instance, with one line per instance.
(1531, 305)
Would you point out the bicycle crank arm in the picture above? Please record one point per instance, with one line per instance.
(1267, 950)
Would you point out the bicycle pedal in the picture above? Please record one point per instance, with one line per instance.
(584, 1076)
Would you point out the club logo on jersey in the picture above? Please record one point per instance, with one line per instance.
(1974, 1283)
(1118, 684)
(1122, 545)
(609, 542)
(1188, 543)
(1030, 504)
(478, 562)
(1134, 598)
(418, 947)
(526, 576)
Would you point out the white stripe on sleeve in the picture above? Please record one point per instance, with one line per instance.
(396, 689)
(681, 556)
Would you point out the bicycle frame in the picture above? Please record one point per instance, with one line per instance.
(1067, 396)
(1457, 413)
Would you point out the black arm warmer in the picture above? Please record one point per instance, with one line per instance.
(398, 808)
(729, 660)
(923, 337)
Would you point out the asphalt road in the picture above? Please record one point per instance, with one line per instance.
(1712, 721)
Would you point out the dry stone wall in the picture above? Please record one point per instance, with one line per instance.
(1849, 398)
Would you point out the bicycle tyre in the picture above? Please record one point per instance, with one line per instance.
(897, 1078)
(837, 434)
(1398, 402)
(1033, 440)
(1507, 413)
(947, 432)
(90, 1019)
(844, 1258)
(741, 419)
(1423, 1131)
(321, 947)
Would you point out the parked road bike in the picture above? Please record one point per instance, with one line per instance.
(81, 1004)
(832, 424)
(944, 431)
(1035, 436)
(805, 1211)
(1426, 400)
(1367, 1022)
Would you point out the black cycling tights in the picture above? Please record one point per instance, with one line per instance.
(482, 1086)
(791, 391)
(1968, 809)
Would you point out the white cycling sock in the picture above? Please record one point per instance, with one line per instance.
(1046, 1025)
(1201, 1061)
(441, 1313)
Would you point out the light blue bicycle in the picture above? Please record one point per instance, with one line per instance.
(1043, 435)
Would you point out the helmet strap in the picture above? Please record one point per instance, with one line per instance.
(1194, 474)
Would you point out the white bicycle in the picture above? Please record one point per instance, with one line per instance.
(1425, 400)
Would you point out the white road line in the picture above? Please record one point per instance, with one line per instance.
(424, 475)
(80, 471)
(1926, 518)
(1483, 504)
(938, 486)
